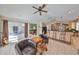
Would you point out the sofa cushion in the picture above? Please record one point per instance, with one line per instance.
(29, 50)
(23, 44)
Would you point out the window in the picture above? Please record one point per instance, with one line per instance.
(15, 29)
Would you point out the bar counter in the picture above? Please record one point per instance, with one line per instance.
(66, 37)
(62, 36)
(75, 42)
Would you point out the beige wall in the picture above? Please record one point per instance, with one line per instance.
(1, 30)
(1, 26)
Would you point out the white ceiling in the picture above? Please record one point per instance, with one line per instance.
(25, 12)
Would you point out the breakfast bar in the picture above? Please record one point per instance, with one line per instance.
(61, 36)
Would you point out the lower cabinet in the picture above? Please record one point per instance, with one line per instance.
(75, 42)
(62, 36)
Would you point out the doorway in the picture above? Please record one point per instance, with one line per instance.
(44, 30)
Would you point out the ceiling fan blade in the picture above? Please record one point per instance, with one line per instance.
(43, 6)
(44, 11)
(35, 7)
(35, 12)
(40, 13)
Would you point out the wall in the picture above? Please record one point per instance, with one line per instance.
(1, 26)
(1, 29)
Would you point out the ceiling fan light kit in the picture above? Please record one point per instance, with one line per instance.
(40, 9)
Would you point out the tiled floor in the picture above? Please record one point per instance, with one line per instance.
(58, 48)
(54, 47)
(8, 49)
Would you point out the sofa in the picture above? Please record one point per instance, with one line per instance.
(25, 47)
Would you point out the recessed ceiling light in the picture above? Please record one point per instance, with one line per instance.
(69, 11)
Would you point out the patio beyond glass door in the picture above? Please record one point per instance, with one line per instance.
(32, 30)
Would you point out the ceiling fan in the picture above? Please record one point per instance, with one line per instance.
(40, 9)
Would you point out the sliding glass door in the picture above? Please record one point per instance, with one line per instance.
(16, 31)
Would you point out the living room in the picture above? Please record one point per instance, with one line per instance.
(26, 21)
